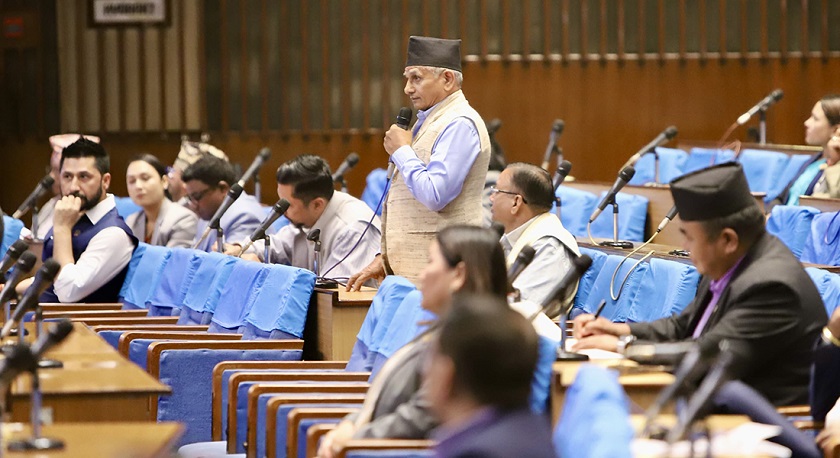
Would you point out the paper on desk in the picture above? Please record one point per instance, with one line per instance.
(594, 353)
(748, 439)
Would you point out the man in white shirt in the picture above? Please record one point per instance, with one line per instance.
(89, 239)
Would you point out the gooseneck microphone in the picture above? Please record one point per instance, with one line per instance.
(624, 176)
(525, 256)
(763, 105)
(672, 213)
(23, 266)
(43, 186)
(19, 358)
(562, 172)
(559, 295)
(553, 136)
(403, 122)
(55, 336)
(216, 221)
(349, 162)
(43, 279)
(12, 255)
(276, 212)
(261, 158)
(666, 135)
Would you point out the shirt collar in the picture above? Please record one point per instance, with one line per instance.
(446, 437)
(717, 286)
(511, 237)
(101, 209)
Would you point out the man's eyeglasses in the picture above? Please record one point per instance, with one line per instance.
(494, 190)
(197, 196)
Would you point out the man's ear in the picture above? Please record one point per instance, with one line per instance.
(449, 80)
(224, 186)
(730, 240)
(106, 181)
(318, 204)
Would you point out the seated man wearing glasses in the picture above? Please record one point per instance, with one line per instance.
(521, 202)
(207, 183)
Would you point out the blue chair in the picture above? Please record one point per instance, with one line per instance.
(388, 297)
(409, 321)
(632, 217)
(667, 287)
(282, 425)
(126, 207)
(796, 162)
(763, 169)
(176, 278)
(700, 158)
(821, 245)
(828, 284)
(279, 311)
(575, 208)
(144, 274)
(615, 310)
(374, 189)
(238, 295)
(11, 232)
(791, 224)
(671, 163)
(205, 290)
(588, 279)
(595, 422)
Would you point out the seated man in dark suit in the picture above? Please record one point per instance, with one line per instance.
(754, 292)
(480, 375)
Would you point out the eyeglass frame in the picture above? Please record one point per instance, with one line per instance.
(494, 190)
(201, 194)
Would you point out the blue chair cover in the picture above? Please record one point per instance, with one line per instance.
(541, 383)
(588, 278)
(11, 232)
(700, 158)
(615, 310)
(279, 310)
(763, 168)
(238, 295)
(671, 162)
(403, 328)
(666, 289)
(205, 289)
(632, 217)
(822, 246)
(391, 293)
(126, 207)
(595, 422)
(282, 424)
(145, 277)
(575, 208)
(166, 299)
(788, 174)
(828, 284)
(374, 189)
(791, 224)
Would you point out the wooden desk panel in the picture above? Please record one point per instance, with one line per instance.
(339, 317)
(136, 440)
(823, 204)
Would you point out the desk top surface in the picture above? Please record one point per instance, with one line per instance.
(136, 440)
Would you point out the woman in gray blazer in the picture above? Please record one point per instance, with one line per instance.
(161, 222)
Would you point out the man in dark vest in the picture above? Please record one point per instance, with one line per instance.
(89, 239)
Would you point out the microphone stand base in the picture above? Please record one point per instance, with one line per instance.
(618, 244)
(50, 364)
(563, 355)
(35, 443)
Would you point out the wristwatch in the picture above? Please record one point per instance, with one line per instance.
(624, 342)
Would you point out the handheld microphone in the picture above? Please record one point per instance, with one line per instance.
(562, 172)
(276, 212)
(22, 268)
(262, 156)
(403, 122)
(565, 286)
(43, 279)
(43, 186)
(55, 336)
(663, 137)
(672, 213)
(765, 103)
(525, 256)
(230, 198)
(556, 130)
(12, 254)
(625, 175)
(349, 162)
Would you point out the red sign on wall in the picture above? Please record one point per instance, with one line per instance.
(13, 26)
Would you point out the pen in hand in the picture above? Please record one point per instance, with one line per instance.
(600, 308)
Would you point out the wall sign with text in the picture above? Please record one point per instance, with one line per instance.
(104, 13)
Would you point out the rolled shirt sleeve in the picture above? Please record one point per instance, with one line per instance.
(106, 255)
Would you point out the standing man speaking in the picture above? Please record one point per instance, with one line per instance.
(441, 162)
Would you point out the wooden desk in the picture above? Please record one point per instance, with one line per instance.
(136, 440)
(334, 320)
(823, 204)
(95, 385)
(641, 387)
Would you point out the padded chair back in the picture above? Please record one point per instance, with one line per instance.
(575, 208)
(791, 224)
(822, 246)
(589, 277)
(409, 321)
(125, 206)
(374, 188)
(11, 232)
(632, 217)
(666, 289)
(671, 162)
(615, 310)
(205, 289)
(595, 422)
(763, 168)
(167, 298)
(279, 308)
(828, 284)
(388, 297)
(791, 170)
(143, 276)
(237, 296)
(700, 158)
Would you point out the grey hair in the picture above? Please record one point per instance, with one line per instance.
(437, 71)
